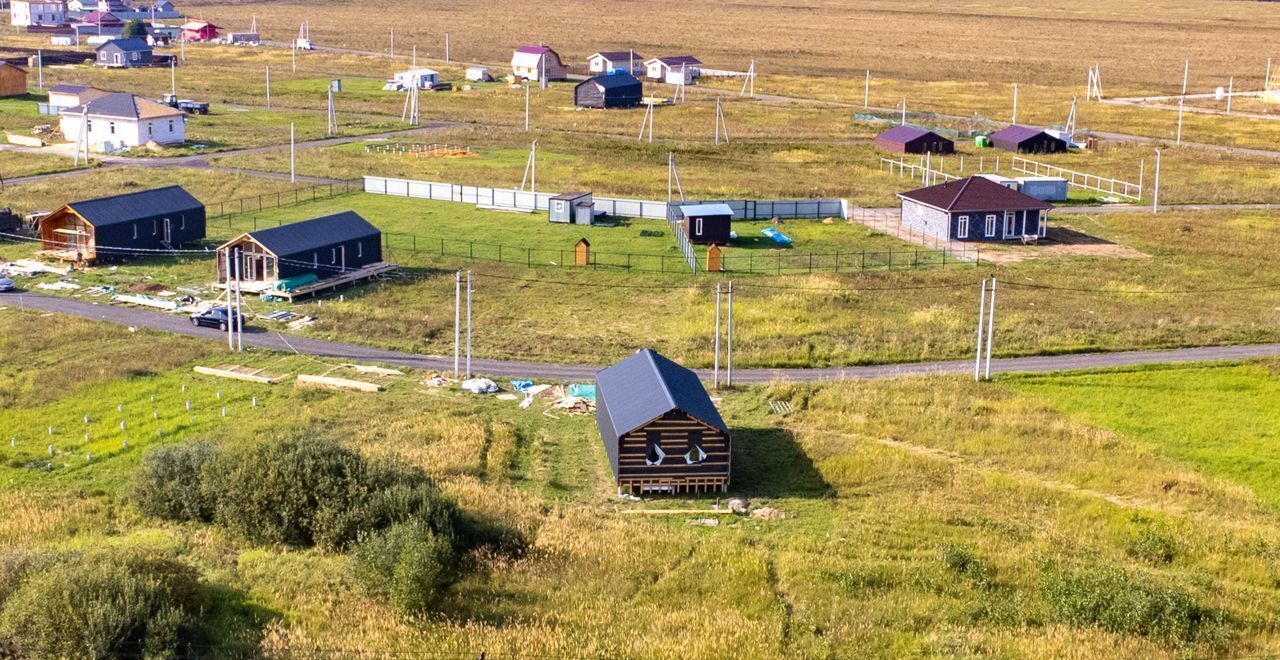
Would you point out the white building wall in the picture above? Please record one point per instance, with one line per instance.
(927, 220)
(127, 134)
(24, 14)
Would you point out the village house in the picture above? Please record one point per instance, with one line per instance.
(1025, 139)
(616, 61)
(974, 208)
(124, 54)
(912, 140)
(38, 13)
(678, 70)
(661, 431)
(123, 226)
(534, 62)
(324, 247)
(618, 90)
(199, 31)
(115, 121)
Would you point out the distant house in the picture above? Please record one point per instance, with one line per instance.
(660, 429)
(115, 121)
(13, 80)
(912, 140)
(616, 61)
(573, 208)
(66, 95)
(678, 70)
(38, 13)
(102, 19)
(199, 31)
(82, 5)
(532, 62)
(124, 54)
(323, 247)
(123, 226)
(619, 90)
(1025, 139)
(974, 209)
(420, 78)
(708, 223)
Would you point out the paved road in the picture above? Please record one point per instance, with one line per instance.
(510, 369)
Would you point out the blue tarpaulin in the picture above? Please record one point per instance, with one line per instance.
(776, 236)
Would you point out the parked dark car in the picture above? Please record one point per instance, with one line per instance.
(215, 317)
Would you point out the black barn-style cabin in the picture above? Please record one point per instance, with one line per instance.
(660, 428)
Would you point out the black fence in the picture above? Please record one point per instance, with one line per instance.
(777, 262)
(282, 198)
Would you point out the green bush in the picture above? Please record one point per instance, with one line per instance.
(965, 562)
(134, 29)
(168, 483)
(406, 565)
(99, 605)
(1110, 598)
(1153, 546)
(306, 491)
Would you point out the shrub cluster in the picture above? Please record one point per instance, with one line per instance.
(95, 604)
(1116, 601)
(404, 535)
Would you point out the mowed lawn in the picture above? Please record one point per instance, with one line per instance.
(1223, 421)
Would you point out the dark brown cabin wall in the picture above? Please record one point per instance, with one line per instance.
(673, 430)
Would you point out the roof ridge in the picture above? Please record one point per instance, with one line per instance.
(662, 381)
(956, 198)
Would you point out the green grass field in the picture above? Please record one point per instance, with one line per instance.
(917, 523)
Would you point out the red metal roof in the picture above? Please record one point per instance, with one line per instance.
(974, 193)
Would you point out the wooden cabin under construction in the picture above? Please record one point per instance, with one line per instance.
(660, 429)
(134, 224)
(325, 247)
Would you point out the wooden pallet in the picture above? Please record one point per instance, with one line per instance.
(238, 372)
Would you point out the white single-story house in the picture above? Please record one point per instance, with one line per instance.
(67, 95)
(617, 61)
(116, 121)
(678, 70)
(420, 78)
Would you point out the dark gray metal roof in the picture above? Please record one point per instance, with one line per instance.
(316, 233)
(614, 81)
(127, 45)
(647, 386)
(136, 206)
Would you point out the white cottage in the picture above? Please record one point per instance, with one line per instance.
(616, 61)
(678, 70)
(113, 122)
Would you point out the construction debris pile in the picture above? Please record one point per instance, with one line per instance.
(574, 399)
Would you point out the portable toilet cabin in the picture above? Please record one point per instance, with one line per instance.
(574, 208)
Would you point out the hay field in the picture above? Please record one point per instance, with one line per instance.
(1139, 43)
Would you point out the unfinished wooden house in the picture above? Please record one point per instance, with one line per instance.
(343, 245)
(660, 429)
(122, 226)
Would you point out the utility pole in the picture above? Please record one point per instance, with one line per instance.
(1155, 195)
(469, 289)
(457, 322)
(991, 326)
(526, 107)
(1015, 104)
(715, 372)
(977, 359)
(728, 358)
(230, 326)
(866, 92)
(1186, 68)
(268, 86)
(238, 320)
(415, 56)
(1180, 101)
(40, 66)
(1231, 82)
(173, 78)
(904, 111)
(446, 48)
(293, 153)
(392, 48)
